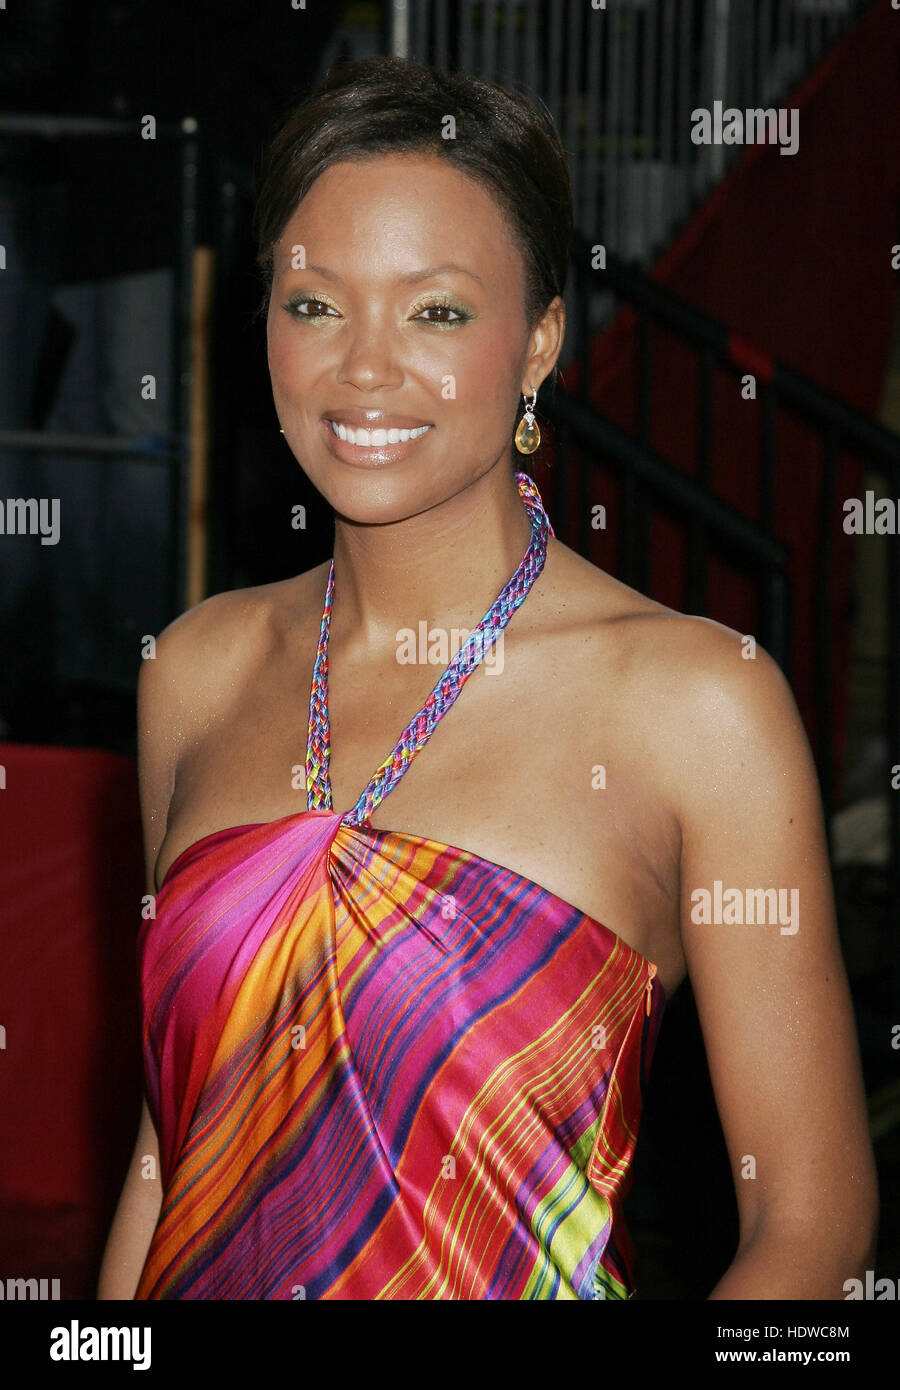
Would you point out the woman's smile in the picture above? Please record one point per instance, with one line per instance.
(382, 441)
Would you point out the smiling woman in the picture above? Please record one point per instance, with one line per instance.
(460, 333)
(398, 1049)
(346, 339)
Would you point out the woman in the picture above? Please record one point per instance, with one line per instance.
(397, 1025)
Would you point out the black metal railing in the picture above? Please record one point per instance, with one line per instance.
(647, 481)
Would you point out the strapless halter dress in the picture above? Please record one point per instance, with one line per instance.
(381, 1066)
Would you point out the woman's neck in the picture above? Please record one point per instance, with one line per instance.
(446, 565)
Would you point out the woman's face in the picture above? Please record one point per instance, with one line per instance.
(398, 305)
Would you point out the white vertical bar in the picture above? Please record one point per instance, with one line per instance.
(399, 29)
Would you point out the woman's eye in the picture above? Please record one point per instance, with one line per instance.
(441, 309)
(316, 308)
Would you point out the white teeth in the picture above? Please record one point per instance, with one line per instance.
(373, 439)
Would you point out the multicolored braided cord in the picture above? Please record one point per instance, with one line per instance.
(420, 727)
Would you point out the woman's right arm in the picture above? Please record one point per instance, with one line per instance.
(160, 724)
(135, 1219)
(179, 689)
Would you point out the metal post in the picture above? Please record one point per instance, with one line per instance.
(892, 715)
(179, 495)
(399, 29)
(824, 645)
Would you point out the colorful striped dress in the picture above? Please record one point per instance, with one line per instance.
(384, 1067)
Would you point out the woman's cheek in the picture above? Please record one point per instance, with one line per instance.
(277, 354)
(452, 366)
(480, 377)
(287, 355)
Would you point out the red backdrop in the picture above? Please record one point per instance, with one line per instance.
(71, 881)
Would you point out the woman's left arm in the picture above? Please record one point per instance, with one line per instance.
(760, 941)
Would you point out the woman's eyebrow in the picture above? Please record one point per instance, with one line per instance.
(410, 277)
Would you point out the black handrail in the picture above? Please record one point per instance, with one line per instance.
(630, 282)
(841, 427)
(639, 465)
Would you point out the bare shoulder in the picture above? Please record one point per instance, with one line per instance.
(695, 692)
(709, 669)
(203, 662)
(719, 714)
(206, 653)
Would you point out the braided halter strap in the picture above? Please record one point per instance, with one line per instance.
(420, 727)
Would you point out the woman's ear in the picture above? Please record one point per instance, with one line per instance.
(545, 344)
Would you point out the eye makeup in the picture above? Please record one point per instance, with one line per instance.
(436, 299)
(440, 299)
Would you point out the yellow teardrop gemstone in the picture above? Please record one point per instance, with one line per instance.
(528, 437)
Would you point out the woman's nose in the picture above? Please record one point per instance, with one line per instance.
(370, 356)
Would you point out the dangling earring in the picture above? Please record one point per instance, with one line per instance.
(528, 435)
(281, 431)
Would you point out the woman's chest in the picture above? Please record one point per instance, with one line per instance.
(531, 767)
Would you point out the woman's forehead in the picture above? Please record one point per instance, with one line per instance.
(403, 207)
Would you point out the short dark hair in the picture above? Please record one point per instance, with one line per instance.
(385, 105)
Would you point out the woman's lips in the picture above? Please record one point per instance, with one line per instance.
(394, 444)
